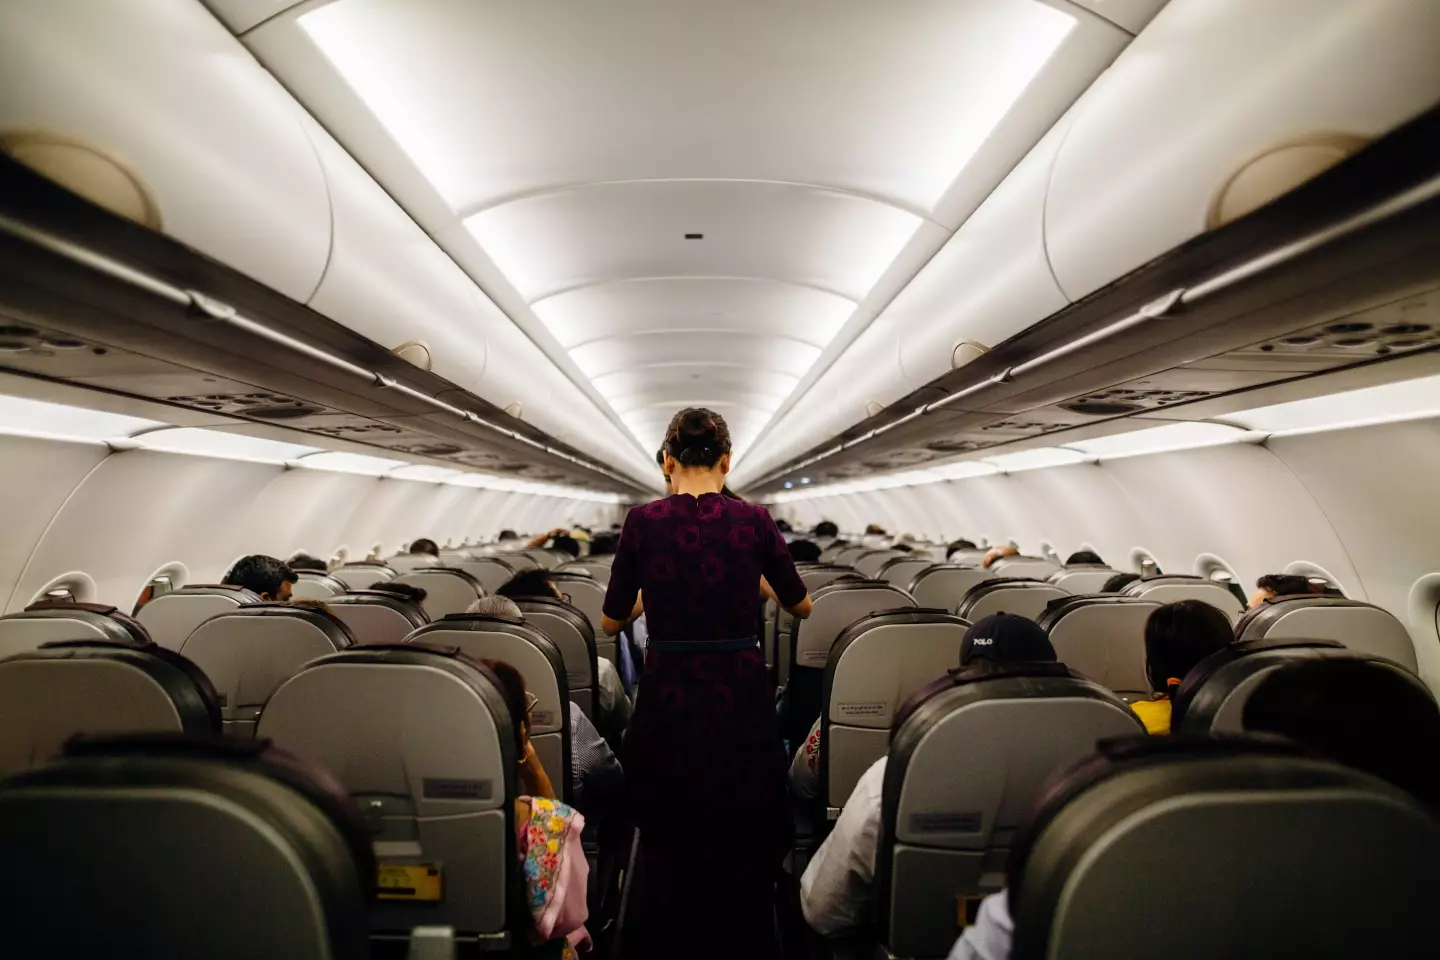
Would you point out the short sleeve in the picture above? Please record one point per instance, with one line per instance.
(778, 568)
(624, 585)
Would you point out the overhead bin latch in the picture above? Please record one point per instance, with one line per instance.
(208, 308)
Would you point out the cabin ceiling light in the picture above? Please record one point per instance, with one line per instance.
(219, 443)
(1386, 403)
(58, 421)
(349, 463)
(1174, 436)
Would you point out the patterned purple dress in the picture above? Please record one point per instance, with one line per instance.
(703, 762)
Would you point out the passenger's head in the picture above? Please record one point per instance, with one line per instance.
(804, 551)
(782, 525)
(874, 530)
(566, 543)
(1274, 585)
(509, 535)
(1355, 713)
(1119, 582)
(603, 544)
(1005, 638)
(517, 699)
(266, 577)
(1180, 635)
(697, 442)
(956, 546)
(405, 591)
(999, 553)
(303, 561)
(902, 547)
(1084, 556)
(529, 583)
(826, 528)
(425, 546)
(497, 605)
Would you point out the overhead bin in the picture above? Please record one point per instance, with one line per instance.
(155, 111)
(1219, 105)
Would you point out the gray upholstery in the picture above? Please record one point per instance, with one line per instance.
(447, 590)
(375, 617)
(1037, 568)
(1025, 598)
(943, 586)
(491, 572)
(530, 651)
(592, 567)
(46, 622)
(868, 564)
(836, 606)
(1362, 627)
(408, 562)
(814, 577)
(1170, 587)
(1214, 852)
(588, 596)
(964, 768)
(520, 559)
(850, 553)
(970, 557)
(170, 618)
(314, 585)
(830, 549)
(874, 667)
(362, 573)
(542, 558)
(900, 570)
(424, 742)
(1103, 638)
(568, 629)
(247, 652)
(1082, 578)
(49, 695)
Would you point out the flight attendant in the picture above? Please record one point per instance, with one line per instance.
(704, 766)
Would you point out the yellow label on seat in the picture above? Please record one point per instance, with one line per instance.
(417, 881)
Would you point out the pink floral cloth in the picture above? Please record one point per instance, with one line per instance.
(556, 872)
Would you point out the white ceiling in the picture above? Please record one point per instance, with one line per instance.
(819, 147)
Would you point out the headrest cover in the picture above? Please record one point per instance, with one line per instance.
(1006, 638)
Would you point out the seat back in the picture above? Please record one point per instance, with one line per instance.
(1362, 627)
(1024, 598)
(971, 557)
(170, 618)
(781, 628)
(848, 554)
(435, 780)
(1222, 848)
(587, 595)
(491, 572)
(314, 585)
(568, 629)
(1036, 568)
(1103, 639)
(868, 564)
(50, 622)
(142, 849)
(447, 590)
(900, 570)
(521, 560)
(375, 617)
(96, 687)
(1082, 578)
(963, 769)
(589, 567)
(527, 649)
(404, 563)
(944, 586)
(1170, 587)
(360, 574)
(247, 652)
(875, 665)
(542, 558)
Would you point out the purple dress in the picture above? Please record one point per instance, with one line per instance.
(703, 764)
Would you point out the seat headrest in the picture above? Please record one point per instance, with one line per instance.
(1202, 672)
(978, 673)
(96, 611)
(322, 619)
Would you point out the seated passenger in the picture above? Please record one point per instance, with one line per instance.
(547, 833)
(835, 890)
(425, 546)
(999, 553)
(874, 530)
(266, 577)
(804, 551)
(404, 591)
(955, 546)
(559, 539)
(1119, 582)
(1274, 585)
(508, 535)
(1177, 636)
(784, 526)
(603, 544)
(826, 528)
(303, 561)
(1084, 556)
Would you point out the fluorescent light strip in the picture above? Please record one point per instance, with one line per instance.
(226, 446)
(58, 421)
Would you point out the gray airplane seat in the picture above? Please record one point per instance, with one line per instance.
(447, 589)
(521, 560)
(1082, 578)
(969, 557)
(540, 662)
(491, 571)
(836, 606)
(421, 737)
(830, 549)
(1170, 587)
(1024, 598)
(875, 665)
(868, 564)
(93, 687)
(848, 554)
(1363, 627)
(360, 574)
(249, 651)
(171, 617)
(571, 633)
(314, 585)
(901, 569)
(945, 585)
(50, 621)
(183, 847)
(1216, 848)
(781, 635)
(404, 563)
(1213, 696)
(965, 764)
(542, 558)
(1032, 568)
(591, 567)
(1102, 637)
(377, 617)
(587, 595)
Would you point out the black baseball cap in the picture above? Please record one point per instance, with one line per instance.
(1006, 638)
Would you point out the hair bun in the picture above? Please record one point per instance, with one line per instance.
(697, 437)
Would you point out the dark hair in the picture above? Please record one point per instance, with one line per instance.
(826, 528)
(1285, 584)
(303, 561)
(1084, 556)
(956, 546)
(566, 543)
(530, 583)
(425, 546)
(260, 574)
(1180, 635)
(1119, 582)
(508, 535)
(903, 547)
(804, 551)
(512, 688)
(603, 544)
(1358, 713)
(697, 437)
(404, 591)
(729, 494)
(874, 529)
(782, 525)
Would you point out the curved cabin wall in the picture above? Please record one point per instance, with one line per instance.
(118, 517)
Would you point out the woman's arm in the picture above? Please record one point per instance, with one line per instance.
(801, 610)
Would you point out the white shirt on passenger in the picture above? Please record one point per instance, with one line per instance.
(613, 704)
(835, 889)
(990, 936)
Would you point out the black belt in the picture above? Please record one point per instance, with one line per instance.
(701, 646)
